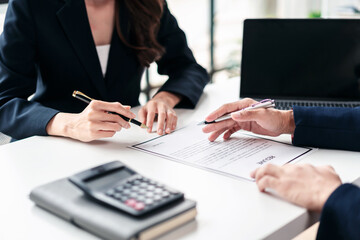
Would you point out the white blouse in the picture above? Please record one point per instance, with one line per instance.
(103, 53)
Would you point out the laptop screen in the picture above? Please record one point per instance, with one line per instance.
(304, 59)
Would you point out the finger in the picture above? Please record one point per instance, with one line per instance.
(217, 126)
(142, 115)
(326, 168)
(171, 121)
(97, 135)
(230, 107)
(249, 115)
(268, 182)
(330, 168)
(112, 107)
(101, 134)
(161, 120)
(109, 117)
(150, 117)
(101, 116)
(105, 134)
(216, 134)
(253, 173)
(232, 130)
(105, 126)
(268, 170)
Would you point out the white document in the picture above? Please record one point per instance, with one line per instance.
(237, 156)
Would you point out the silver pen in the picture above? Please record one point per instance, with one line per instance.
(266, 103)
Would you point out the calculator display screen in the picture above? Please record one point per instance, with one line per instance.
(108, 179)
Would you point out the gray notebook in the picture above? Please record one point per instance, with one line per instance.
(62, 198)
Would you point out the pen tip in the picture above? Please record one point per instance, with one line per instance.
(143, 126)
(74, 93)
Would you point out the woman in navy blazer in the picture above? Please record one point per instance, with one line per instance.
(48, 47)
(315, 188)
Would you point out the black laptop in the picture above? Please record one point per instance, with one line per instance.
(305, 62)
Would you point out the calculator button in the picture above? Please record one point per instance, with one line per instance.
(135, 188)
(144, 185)
(137, 182)
(134, 195)
(173, 192)
(142, 191)
(110, 192)
(117, 195)
(139, 206)
(149, 194)
(126, 191)
(149, 201)
(127, 185)
(152, 182)
(150, 188)
(119, 188)
(159, 185)
(157, 197)
(165, 194)
(141, 198)
(158, 190)
(131, 202)
(123, 198)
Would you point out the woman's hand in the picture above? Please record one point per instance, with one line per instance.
(263, 121)
(304, 185)
(162, 106)
(93, 123)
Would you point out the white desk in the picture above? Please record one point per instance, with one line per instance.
(228, 208)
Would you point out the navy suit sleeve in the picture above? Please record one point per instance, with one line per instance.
(337, 128)
(186, 77)
(340, 217)
(19, 117)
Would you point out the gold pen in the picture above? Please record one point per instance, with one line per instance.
(81, 96)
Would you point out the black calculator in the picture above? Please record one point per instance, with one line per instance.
(118, 186)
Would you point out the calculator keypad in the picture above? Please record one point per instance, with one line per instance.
(142, 194)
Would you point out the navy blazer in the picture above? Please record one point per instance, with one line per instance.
(47, 48)
(340, 217)
(327, 127)
(337, 128)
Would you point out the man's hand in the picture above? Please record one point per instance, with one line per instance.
(304, 185)
(263, 121)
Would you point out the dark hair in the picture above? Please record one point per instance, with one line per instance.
(144, 25)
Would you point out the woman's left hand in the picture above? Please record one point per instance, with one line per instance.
(162, 106)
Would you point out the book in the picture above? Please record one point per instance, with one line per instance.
(65, 200)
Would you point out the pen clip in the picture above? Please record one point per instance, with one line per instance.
(76, 93)
(81, 96)
(262, 102)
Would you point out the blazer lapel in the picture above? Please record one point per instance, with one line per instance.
(74, 20)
